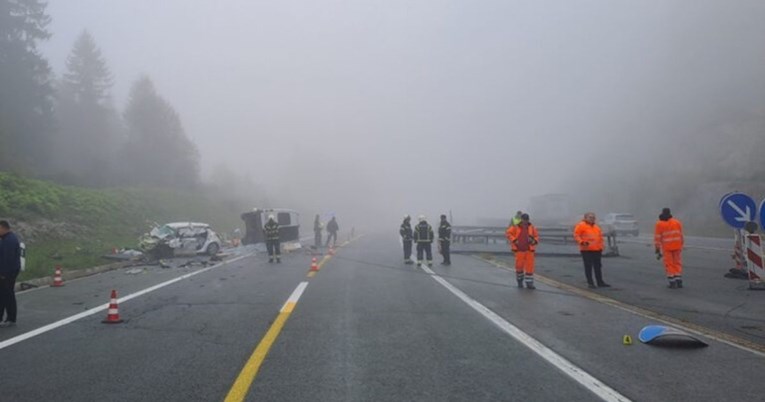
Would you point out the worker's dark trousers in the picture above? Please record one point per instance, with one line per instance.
(332, 236)
(8, 298)
(445, 251)
(407, 250)
(317, 239)
(273, 248)
(424, 248)
(592, 261)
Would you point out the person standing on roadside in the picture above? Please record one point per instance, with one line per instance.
(523, 239)
(271, 231)
(405, 231)
(668, 239)
(317, 227)
(589, 237)
(332, 229)
(423, 236)
(10, 266)
(445, 240)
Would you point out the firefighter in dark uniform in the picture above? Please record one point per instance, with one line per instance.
(406, 237)
(332, 229)
(317, 227)
(271, 230)
(445, 240)
(423, 236)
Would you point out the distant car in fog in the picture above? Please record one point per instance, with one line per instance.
(621, 223)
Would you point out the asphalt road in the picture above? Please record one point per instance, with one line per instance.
(367, 327)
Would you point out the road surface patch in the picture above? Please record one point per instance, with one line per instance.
(250, 370)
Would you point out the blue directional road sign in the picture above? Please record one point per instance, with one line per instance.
(762, 214)
(737, 209)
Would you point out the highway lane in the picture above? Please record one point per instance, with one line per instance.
(182, 342)
(367, 327)
(370, 328)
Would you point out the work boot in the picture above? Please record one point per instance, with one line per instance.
(591, 286)
(520, 283)
(270, 260)
(278, 260)
(530, 285)
(603, 285)
(430, 264)
(672, 285)
(679, 283)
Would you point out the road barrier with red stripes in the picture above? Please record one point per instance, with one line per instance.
(755, 261)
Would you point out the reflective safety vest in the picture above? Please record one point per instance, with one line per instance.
(668, 235)
(514, 231)
(271, 230)
(405, 231)
(590, 234)
(445, 231)
(423, 233)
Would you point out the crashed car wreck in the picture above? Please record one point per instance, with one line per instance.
(180, 238)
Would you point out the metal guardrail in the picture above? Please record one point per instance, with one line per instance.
(477, 235)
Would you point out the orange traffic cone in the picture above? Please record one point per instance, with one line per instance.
(314, 265)
(113, 315)
(58, 281)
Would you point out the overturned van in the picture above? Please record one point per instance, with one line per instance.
(288, 220)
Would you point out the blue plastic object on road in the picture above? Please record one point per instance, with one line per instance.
(662, 335)
(737, 209)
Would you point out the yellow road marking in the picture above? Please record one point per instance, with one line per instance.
(238, 391)
(243, 382)
(311, 274)
(719, 336)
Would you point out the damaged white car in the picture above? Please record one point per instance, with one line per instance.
(180, 238)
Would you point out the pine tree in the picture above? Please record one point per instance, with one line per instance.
(88, 124)
(88, 76)
(157, 152)
(25, 87)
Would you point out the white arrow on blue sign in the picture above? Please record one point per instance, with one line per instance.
(737, 209)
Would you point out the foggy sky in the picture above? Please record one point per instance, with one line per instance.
(379, 108)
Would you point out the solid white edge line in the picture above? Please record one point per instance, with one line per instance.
(27, 335)
(594, 385)
(295, 296)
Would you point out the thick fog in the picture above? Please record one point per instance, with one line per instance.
(373, 109)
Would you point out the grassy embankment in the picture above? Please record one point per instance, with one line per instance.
(74, 226)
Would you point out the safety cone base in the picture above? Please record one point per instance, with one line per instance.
(627, 340)
(117, 321)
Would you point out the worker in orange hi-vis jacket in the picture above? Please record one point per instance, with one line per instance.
(589, 237)
(668, 239)
(523, 238)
